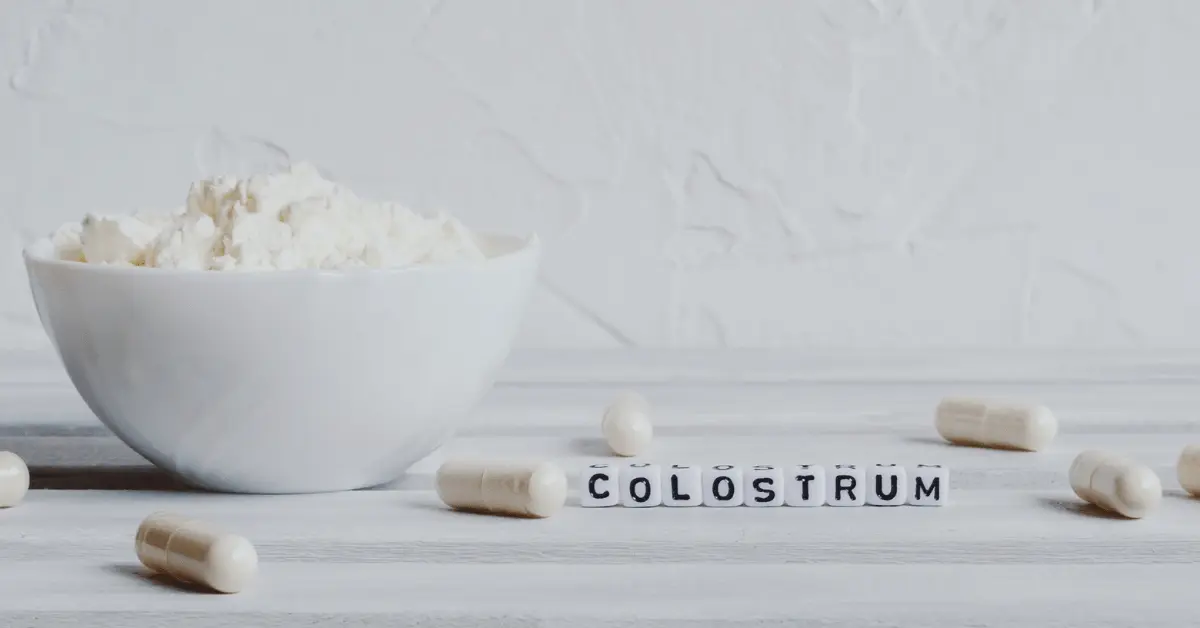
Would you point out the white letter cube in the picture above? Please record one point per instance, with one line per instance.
(846, 486)
(930, 484)
(805, 486)
(682, 486)
(599, 486)
(641, 485)
(887, 485)
(722, 486)
(764, 486)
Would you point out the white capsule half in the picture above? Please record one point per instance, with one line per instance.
(626, 425)
(995, 424)
(195, 552)
(1188, 469)
(14, 479)
(536, 489)
(1115, 483)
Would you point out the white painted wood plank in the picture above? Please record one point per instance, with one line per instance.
(763, 365)
(861, 407)
(71, 461)
(979, 527)
(104, 594)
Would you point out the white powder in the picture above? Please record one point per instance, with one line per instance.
(289, 220)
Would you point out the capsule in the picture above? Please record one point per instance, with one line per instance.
(999, 425)
(195, 552)
(1188, 469)
(14, 479)
(1115, 483)
(536, 489)
(626, 425)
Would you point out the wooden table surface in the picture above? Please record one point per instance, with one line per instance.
(1014, 546)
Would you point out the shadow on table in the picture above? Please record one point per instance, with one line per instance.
(935, 440)
(1181, 495)
(141, 574)
(1076, 507)
(140, 478)
(590, 447)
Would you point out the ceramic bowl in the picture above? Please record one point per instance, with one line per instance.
(284, 381)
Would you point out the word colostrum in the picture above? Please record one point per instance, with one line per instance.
(644, 484)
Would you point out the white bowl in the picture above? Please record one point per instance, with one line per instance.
(284, 381)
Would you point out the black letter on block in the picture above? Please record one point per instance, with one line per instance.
(804, 480)
(716, 490)
(675, 494)
(879, 488)
(838, 487)
(768, 494)
(633, 492)
(933, 490)
(599, 477)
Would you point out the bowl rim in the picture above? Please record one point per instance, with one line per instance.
(517, 248)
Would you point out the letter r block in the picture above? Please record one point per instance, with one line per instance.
(846, 486)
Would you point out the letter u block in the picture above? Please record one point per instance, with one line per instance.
(887, 485)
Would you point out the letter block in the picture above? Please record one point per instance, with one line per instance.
(722, 486)
(682, 486)
(764, 486)
(846, 486)
(599, 486)
(641, 485)
(887, 485)
(805, 486)
(930, 485)
(645, 485)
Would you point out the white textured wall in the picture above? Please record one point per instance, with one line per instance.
(840, 173)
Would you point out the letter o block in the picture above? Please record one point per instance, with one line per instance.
(722, 486)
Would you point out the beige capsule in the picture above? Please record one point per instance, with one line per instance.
(14, 479)
(195, 552)
(1188, 469)
(626, 425)
(995, 424)
(537, 489)
(1115, 483)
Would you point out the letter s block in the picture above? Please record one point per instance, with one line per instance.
(764, 485)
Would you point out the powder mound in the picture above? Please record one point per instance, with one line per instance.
(282, 221)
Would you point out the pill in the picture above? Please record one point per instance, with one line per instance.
(1115, 483)
(14, 479)
(1189, 469)
(536, 489)
(195, 552)
(626, 424)
(996, 424)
